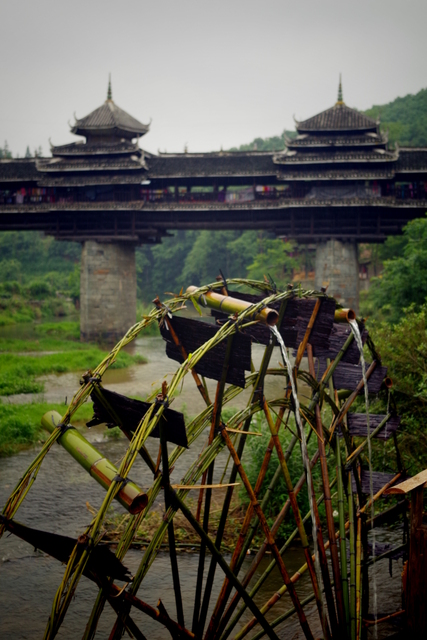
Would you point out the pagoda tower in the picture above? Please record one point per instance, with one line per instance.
(347, 155)
(106, 164)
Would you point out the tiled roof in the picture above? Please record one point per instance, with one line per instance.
(211, 164)
(337, 118)
(412, 159)
(18, 170)
(109, 116)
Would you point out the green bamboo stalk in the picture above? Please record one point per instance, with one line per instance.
(316, 396)
(266, 573)
(352, 594)
(171, 532)
(343, 544)
(224, 566)
(298, 520)
(266, 529)
(358, 575)
(257, 390)
(199, 620)
(130, 496)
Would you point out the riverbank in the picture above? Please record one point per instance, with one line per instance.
(50, 348)
(185, 537)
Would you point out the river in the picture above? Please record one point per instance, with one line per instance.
(57, 502)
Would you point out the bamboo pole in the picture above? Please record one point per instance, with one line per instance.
(298, 520)
(358, 575)
(171, 532)
(198, 622)
(263, 521)
(352, 594)
(343, 543)
(230, 305)
(297, 575)
(326, 378)
(255, 563)
(102, 470)
(256, 394)
(224, 566)
(328, 508)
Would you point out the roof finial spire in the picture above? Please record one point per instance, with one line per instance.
(109, 92)
(340, 98)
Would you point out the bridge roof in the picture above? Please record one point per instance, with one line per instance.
(18, 170)
(412, 159)
(218, 164)
(338, 118)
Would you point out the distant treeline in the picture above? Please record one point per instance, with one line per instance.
(34, 267)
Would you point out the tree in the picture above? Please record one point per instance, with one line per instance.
(403, 347)
(404, 279)
(4, 152)
(273, 258)
(28, 152)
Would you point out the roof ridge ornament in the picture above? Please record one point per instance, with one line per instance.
(340, 96)
(109, 91)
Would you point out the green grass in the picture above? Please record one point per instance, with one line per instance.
(20, 424)
(19, 368)
(19, 373)
(22, 362)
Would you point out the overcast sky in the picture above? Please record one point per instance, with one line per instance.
(209, 73)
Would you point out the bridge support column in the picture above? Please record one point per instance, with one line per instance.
(337, 267)
(107, 291)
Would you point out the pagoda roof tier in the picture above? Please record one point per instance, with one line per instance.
(306, 140)
(337, 118)
(91, 180)
(219, 164)
(81, 148)
(109, 120)
(57, 165)
(308, 157)
(337, 174)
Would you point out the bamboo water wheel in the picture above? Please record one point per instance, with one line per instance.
(336, 552)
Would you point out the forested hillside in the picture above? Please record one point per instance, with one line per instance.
(406, 119)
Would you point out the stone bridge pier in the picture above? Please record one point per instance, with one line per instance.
(337, 268)
(107, 290)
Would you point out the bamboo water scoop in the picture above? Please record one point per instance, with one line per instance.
(230, 305)
(130, 496)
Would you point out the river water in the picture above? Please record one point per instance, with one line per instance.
(57, 503)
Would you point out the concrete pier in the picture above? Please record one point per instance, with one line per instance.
(107, 291)
(337, 268)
